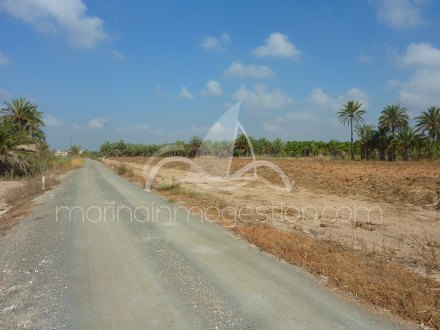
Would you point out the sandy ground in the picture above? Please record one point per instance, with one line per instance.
(391, 208)
(5, 186)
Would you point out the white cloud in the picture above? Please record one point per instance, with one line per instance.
(355, 94)
(320, 99)
(362, 58)
(423, 87)
(399, 13)
(185, 94)
(261, 97)
(278, 45)
(214, 43)
(213, 88)
(278, 124)
(238, 70)
(52, 16)
(4, 59)
(117, 55)
(50, 120)
(422, 90)
(421, 54)
(97, 122)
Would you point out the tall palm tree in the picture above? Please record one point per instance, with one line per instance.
(392, 118)
(351, 113)
(365, 135)
(429, 121)
(405, 140)
(24, 114)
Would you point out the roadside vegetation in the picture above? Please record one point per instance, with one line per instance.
(23, 147)
(392, 138)
(24, 152)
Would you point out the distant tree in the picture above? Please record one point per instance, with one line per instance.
(195, 143)
(277, 147)
(351, 113)
(392, 118)
(75, 151)
(429, 122)
(365, 135)
(242, 144)
(405, 140)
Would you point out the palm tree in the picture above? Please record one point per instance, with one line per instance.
(392, 118)
(24, 114)
(194, 145)
(365, 135)
(75, 151)
(277, 147)
(12, 159)
(429, 121)
(351, 113)
(405, 140)
(241, 143)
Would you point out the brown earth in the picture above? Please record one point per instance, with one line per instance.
(375, 206)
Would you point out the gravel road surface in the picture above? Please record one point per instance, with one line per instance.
(99, 252)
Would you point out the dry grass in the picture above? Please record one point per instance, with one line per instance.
(72, 164)
(30, 189)
(20, 196)
(33, 186)
(368, 276)
(121, 169)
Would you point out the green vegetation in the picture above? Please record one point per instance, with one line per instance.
(75, 151)
(349, 114)
(393, 137)
(23, 147)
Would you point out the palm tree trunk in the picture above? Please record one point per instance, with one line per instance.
(351, 129)
(394, 149)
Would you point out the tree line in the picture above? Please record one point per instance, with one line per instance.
(393, 134)
(196, 146)
(393, 137)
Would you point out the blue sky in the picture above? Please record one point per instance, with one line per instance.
(157, 71)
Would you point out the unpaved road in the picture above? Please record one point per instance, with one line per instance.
(61, 272)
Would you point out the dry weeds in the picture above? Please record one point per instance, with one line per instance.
(370, 277)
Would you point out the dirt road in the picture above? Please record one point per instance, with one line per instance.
(140, 270)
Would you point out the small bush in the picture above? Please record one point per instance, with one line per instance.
(130, 173)
(121, 169)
